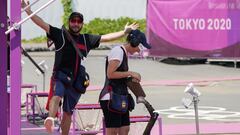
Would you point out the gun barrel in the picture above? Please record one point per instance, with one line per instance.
(150, 124)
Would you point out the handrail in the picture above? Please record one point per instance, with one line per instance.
(16, 26)
(29, 5)
(33, 62)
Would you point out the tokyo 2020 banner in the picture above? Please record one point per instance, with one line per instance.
(194, 28)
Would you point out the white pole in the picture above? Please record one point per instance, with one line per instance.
(195, 101)
(16, 26)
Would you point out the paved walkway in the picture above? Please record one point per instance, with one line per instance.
(164, 85)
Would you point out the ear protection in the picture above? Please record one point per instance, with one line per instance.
(133, 40)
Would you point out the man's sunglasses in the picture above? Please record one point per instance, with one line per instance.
(76, 21)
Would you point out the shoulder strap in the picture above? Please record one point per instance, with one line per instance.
(124, 54)
(70, 38)
(85, 43)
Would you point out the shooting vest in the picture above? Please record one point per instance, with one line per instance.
(118, 86)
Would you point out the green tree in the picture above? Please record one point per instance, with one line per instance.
(67, 11)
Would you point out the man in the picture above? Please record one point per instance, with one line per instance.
(116, 112)
(66, 57)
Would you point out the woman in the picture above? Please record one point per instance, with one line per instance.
(117, 120)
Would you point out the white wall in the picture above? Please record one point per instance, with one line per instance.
(51, 14)
(89, 8)
(110, 8)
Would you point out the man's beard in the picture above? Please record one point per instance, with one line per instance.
(75, 31)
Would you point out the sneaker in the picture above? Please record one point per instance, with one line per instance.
(49, 124)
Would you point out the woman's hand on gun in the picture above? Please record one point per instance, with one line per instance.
(136, 77)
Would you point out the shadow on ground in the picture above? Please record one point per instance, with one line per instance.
(177, 61)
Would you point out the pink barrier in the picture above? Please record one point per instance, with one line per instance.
(30, 86)
(83, 107)
(201, 82)
(33, 96)
(134, 119)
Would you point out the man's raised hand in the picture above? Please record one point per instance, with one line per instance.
(24, 4)
(129, 28)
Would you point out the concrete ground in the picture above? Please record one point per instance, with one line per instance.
(164, 86)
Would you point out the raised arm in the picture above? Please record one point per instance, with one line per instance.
(117, 35)
(36, 19)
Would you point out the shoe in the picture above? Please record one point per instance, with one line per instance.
(49, 124)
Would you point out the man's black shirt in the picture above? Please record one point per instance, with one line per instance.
(66, 52)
